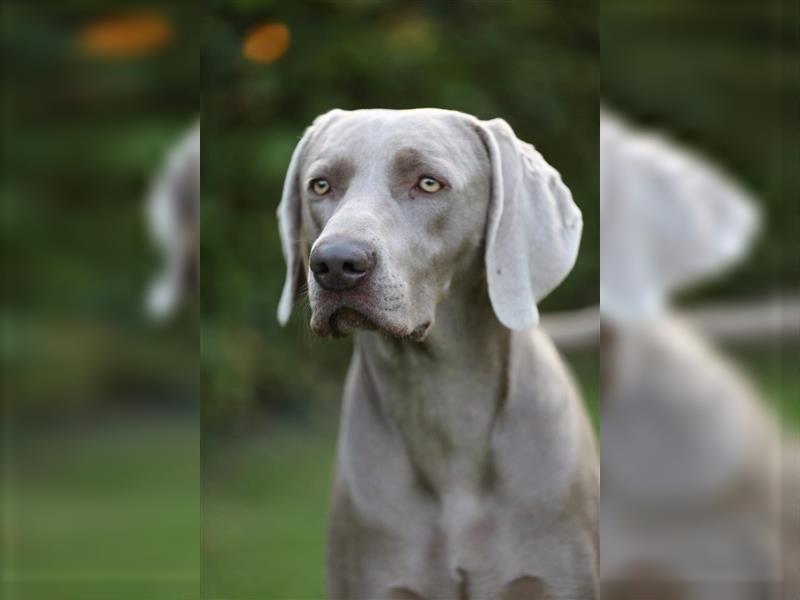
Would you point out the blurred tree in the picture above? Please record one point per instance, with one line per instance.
(93, 97)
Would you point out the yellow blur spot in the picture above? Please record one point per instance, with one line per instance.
(124, 36)
(266, 43)
(413, 35)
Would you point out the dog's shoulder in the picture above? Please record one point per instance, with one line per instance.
(537, 369)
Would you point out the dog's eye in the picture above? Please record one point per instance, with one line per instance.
(320, 186)
(429, 185)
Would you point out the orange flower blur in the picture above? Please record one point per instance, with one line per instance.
(266, 43)
(124, 36)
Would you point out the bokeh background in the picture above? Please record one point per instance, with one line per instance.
(100, 435)
(101, 413)
(724, 83)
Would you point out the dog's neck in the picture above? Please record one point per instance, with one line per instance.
(442, 395)
(466, 334)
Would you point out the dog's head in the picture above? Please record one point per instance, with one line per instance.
(383, 211)
(669, 219)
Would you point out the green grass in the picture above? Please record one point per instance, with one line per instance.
(111, 510)
(265, 505)
(107, 510)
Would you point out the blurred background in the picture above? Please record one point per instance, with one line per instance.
(693, 409)
(270, 395)
(724, 84)
(100, 436)
(100, 446)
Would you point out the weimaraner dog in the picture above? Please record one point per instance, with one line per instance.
(689, 508)
(466, 466)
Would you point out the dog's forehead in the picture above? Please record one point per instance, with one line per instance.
(378, 133)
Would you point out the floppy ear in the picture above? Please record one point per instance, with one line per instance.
(533, 228)
(289, 222)
(669, 220)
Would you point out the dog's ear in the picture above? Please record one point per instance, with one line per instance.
(289, 227)
(668, 220)
(290, 219)
(533, 227)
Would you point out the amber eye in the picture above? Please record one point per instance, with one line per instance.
(429, 185)
(320, 186)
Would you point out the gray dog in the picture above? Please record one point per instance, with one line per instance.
(466, 466)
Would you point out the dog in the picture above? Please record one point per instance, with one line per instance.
(689, 503)
(466, 466)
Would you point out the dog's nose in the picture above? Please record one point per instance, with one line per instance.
(340, 265)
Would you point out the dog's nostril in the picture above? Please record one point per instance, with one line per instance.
(319, 267)
(353, 268)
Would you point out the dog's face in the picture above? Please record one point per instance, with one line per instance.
(383, 211)
(393, 208)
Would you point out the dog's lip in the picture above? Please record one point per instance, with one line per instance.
(339, 315)
(345, 317)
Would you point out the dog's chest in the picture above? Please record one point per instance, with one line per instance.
(464, 482)
(471, 547)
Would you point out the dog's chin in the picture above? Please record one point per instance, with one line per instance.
(346, 320)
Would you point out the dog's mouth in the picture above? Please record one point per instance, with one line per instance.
(346, 320)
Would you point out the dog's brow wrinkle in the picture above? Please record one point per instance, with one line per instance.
(408, 156)
(339, 169)
(407, 162)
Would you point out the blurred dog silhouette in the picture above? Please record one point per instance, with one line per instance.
(173, 218)
(690, 454)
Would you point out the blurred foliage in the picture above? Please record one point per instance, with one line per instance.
(533, 63)
(83, 133)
